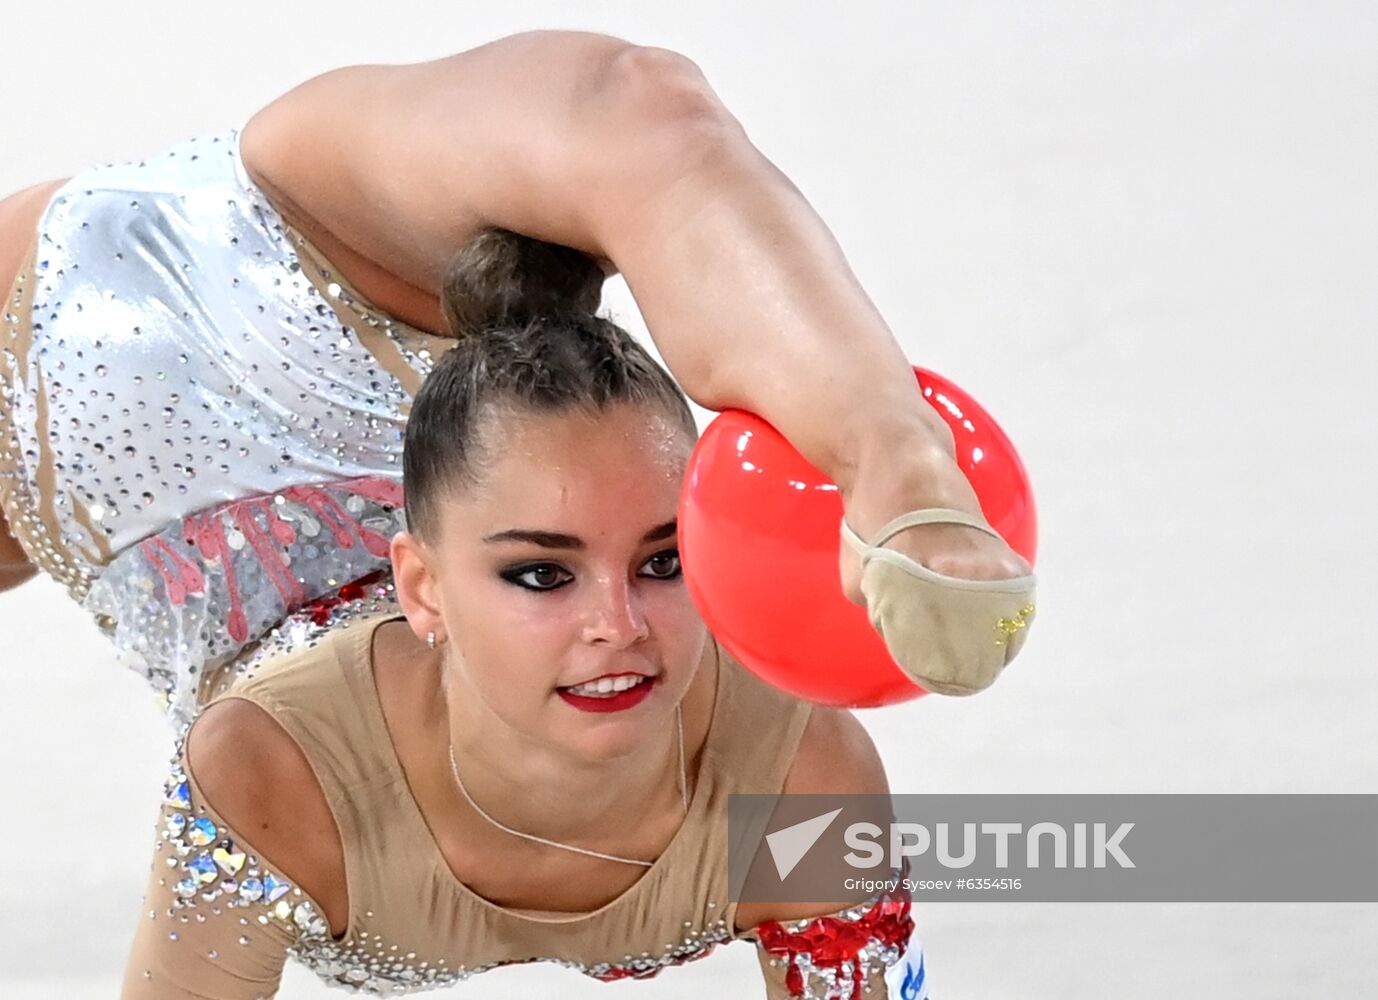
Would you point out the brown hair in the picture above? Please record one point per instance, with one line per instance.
(528, 341)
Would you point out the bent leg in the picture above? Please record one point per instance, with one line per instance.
(753, 305)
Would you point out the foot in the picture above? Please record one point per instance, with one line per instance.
(950, 549)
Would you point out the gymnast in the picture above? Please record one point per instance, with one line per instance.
(209, 359)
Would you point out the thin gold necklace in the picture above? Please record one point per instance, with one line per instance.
(683, 788)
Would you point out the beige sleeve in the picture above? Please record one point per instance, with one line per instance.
(218, 919)
(872, 946)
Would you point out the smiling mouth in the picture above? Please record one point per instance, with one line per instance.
(607, 687)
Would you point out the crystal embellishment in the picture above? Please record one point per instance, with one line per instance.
(180, 796)
(201, 832)
(202, 868)
(274, 888)
(229, 863)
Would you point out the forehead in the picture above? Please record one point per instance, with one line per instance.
(626, 454)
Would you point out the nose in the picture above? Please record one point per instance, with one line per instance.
(616, 616)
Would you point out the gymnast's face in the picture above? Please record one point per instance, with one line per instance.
(524, 614)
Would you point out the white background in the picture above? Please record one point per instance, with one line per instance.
(1145, 237)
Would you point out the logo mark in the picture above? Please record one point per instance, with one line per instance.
(788, 846)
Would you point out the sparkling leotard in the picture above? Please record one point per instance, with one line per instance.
(181, 372)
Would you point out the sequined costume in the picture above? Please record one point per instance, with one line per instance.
(180, 372)
(221, 920)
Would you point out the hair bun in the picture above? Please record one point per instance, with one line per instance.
(503, 277)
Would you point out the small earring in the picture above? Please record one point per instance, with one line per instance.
(430, 639)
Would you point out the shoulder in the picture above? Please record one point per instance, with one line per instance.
(836, 755)
(257, 778)
(237, 749)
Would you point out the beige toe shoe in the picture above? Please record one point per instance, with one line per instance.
(951, 635)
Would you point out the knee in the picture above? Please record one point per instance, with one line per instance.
(663, 87)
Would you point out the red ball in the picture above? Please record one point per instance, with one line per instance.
(759, 536)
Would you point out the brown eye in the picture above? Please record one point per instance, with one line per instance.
(666, 563)
(542, 577)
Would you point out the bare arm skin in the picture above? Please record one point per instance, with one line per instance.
(255, 776)
(836, 756)
(251, 780)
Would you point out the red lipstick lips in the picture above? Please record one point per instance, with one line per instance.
(619, 702)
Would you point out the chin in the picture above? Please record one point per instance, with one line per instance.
(615, 735)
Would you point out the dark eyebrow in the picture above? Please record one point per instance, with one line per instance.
(556, 540)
